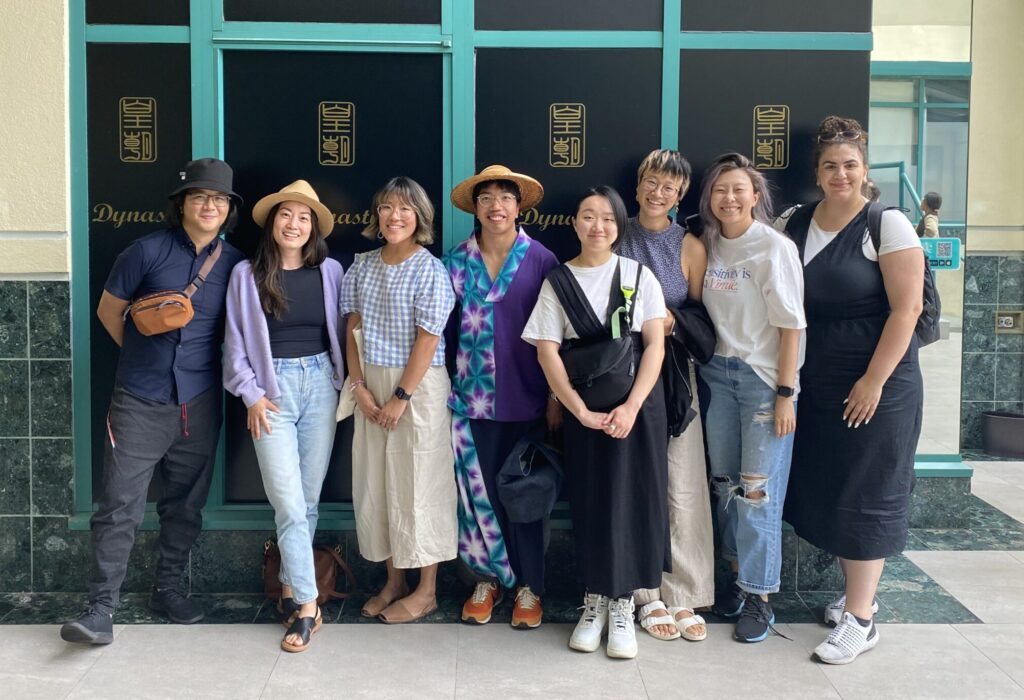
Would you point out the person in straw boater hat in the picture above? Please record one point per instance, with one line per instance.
(283, 356)
(499, 394)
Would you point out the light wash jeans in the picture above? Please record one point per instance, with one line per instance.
(746, 456)
(293, 460)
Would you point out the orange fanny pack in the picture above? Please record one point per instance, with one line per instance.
(160, 312)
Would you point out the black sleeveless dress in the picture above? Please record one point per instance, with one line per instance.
(849, 489)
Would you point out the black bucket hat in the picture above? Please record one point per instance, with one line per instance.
(207, 174)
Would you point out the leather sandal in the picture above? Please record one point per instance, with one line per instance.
(287, 609)
(684, 624)
(378, 603)
(648, 621)
(305, 627)
(398, 613)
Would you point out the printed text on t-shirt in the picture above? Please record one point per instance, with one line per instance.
(725, 280)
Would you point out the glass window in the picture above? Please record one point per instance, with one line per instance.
(893, 139)
(894, 91)
(945, 160)
(958, 90)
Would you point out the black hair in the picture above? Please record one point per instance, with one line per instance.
(618, 207)
(933, 200)
(266, 263)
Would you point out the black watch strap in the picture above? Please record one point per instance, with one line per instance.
(402, 394)
(785, 391)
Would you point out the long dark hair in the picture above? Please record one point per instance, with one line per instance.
(266, 264)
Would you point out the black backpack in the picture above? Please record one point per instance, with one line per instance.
(927, 329)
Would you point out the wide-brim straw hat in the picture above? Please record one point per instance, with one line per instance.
(298, 191)
(530, 190)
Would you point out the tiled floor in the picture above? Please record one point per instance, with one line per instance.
(951, 620)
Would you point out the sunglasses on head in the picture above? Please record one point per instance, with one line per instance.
(844, 135)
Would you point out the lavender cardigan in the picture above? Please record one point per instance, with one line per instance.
(248, 364)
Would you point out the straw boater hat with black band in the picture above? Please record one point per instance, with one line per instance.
(298, 191)
(530, 191)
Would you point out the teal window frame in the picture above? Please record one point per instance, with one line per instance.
(919, 72)
(455, 38)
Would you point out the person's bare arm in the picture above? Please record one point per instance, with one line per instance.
(422, 354)
(903, 276)
(789, 353)
(695, 264)
(111, 314)
(362, 396)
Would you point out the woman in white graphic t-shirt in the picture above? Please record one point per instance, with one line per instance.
(753, 290)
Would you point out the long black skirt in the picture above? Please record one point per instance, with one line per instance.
(617, 498)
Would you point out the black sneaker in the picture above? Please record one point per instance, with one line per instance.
(755, 621)
(177, 607)
(93, 627)
(729, 599)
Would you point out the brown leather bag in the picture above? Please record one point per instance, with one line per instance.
(326, 562)
(159, 312)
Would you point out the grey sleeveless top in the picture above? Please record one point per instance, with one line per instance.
(661, 251)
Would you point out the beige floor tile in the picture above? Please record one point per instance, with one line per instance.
(37, 663)
(370, 661)
(988, 568)
(1002, 644)
(179, 661)
(496, 661)
(915, 661)
(1004, 496)
(1011, 472)
(992, 604)
(721, 667)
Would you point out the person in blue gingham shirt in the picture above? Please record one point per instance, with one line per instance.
(398, 299)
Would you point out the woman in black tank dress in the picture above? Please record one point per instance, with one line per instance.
(859, 415)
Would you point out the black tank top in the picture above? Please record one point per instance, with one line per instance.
(302, 329)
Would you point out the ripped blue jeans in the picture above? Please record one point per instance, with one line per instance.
(749, 470)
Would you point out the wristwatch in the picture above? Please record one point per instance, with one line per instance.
(785, 391)
(402, 394)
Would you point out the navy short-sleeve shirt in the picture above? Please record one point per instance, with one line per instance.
(176, 366)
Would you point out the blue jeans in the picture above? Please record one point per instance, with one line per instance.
(746, 457)
(293, 460)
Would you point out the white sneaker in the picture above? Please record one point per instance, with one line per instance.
(621, 632)
(834, 611)
(587, 635)
(847, 641)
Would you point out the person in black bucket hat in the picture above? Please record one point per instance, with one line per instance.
(166, 407)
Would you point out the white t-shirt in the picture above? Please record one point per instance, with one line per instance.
(897, 234)
(548, 321)
(753, 287)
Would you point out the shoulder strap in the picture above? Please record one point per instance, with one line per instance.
(204, 271)
(335, 554)
(875, 210)
(798, 224)
(581, 314)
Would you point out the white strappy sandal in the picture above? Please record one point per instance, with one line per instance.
(684, 624)
(649, 623)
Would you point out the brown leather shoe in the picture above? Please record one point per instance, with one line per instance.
(527, 613)
(478, 608)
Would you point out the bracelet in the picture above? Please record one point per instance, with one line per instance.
(356, 383)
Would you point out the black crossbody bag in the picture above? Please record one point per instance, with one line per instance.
(601, 364)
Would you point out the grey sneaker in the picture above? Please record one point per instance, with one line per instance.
(834, 610)
(92, 627)
(847, 641)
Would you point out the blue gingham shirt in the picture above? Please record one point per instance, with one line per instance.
(394, 300)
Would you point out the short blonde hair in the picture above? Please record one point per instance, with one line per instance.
(668, 162)
(410, 192)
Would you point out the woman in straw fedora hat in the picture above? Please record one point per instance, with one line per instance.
(499, 394)
(398, 298)
(283, 357)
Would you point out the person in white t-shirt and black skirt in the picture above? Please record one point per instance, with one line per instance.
(753, 291)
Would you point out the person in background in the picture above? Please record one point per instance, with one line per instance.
(283, 357)
(871, 191)
(166, 408)
(860, 410)
(399, 297)
(928, 226)
(616, 460)
(753, 291)
(499, 393)
(678, 260)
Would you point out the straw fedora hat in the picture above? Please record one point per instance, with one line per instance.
(530, 190)
(298, 191)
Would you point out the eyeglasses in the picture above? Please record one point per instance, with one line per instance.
(384, 210)
(487, 200)
(199, 200)
(845, 135)
(651, 185)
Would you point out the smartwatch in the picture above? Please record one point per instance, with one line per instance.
(783, 391)
(402, 394)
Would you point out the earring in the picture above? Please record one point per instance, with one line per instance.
(380, 235)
